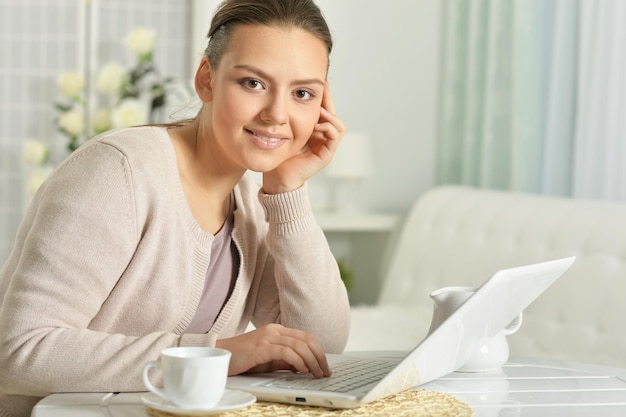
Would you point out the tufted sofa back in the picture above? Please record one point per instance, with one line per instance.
(460, 236)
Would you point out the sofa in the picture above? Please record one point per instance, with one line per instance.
(460, 236)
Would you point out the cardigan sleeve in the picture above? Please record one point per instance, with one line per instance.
(302, 287)
(75, 243)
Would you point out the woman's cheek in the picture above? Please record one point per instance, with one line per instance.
(307, 124)
(303, 138)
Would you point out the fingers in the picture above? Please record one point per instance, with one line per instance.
(330, 128)
(308, 350)
(327, 99)
(274, 347)
(329, 122)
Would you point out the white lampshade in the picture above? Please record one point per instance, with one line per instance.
(353, 159)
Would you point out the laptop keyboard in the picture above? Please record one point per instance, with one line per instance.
(347, 375)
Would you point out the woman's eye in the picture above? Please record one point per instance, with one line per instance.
(251, 83)
(304, 94)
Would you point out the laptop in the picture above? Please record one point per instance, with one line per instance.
(483, 315)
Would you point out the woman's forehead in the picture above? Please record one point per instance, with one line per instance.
(289, 48)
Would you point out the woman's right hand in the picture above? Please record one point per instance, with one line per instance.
(275, 347)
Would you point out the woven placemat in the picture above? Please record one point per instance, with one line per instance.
(410, 403)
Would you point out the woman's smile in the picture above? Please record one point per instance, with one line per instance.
(266, 141)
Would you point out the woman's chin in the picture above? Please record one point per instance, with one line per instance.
(260, 167)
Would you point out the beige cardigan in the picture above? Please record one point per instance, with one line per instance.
(109, 265)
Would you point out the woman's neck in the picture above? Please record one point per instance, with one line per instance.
(206, 181)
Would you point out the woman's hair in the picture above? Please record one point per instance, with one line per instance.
(302, 14)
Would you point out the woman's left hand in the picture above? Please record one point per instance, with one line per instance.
(315, 155)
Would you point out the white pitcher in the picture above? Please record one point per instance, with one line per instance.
(489, 357)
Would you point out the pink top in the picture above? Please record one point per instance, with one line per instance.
(220, 276)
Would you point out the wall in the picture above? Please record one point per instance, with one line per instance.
(384, 79)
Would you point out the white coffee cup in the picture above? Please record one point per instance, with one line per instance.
(490, 356)
(193, 377)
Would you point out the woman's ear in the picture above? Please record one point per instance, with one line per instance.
(203, 80)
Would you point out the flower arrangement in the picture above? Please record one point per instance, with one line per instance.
(37, 154)
(127, 97)
(71, 107)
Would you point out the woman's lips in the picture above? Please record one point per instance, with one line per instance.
(265, 141)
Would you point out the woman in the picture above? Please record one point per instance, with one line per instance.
(152, 237)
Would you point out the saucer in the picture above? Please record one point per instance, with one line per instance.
(231, 400)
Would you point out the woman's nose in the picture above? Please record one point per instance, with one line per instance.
(275, 110)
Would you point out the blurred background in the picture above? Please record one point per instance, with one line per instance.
(527, 95)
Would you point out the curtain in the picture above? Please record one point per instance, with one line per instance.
(600, 140)
(532, 96)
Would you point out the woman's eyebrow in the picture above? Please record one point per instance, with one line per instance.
(265, 75)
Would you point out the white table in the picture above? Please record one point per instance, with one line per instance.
(524, 387)
(540, 387)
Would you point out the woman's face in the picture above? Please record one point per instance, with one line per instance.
(266, 94)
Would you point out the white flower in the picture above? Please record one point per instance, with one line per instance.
(140, 41)
(72, 122)
(35, 152)
(101, 120)
(111, 78)
(71, 84)
(130, 112)
(37, 177)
